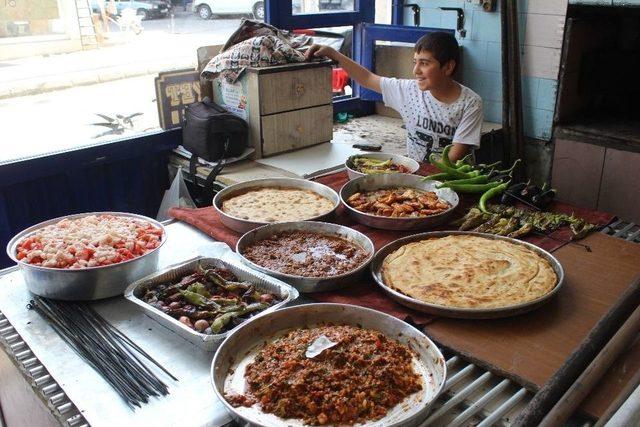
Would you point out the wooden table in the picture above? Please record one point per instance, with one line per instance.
(530, 348)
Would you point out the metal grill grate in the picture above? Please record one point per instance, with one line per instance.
(36, 374)
(624, 230)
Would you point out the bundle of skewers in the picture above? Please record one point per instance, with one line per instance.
(107, 350)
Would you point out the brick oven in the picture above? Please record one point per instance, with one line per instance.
(597, 133)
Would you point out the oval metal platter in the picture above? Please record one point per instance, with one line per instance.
(242, 345)
(460, 312)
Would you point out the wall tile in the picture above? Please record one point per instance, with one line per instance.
(492, 111)
(474, 55)
(530, 87)
(544, 30)
(429, 17)
(494, 57)
(488, 85)
(541, 62)
(547, 93)
(574, 159)
(486, 26)
(537, 122)
(548, 7)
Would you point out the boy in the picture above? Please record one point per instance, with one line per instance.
(436, 110)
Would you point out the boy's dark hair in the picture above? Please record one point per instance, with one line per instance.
(443, 46)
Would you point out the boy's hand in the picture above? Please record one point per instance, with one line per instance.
(318, 50)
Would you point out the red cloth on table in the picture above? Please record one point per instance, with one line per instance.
(366, 293)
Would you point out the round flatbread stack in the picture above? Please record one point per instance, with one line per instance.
(277, 205)
(468, 272)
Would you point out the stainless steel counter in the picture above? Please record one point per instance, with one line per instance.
(191, 401)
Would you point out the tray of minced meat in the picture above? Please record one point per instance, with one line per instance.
(328, 364)
(312, 256)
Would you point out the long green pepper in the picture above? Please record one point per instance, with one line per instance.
(491, 193)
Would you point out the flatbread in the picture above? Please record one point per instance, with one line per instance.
(277, 205)
(468, 272)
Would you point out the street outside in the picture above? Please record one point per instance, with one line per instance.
(50, 103)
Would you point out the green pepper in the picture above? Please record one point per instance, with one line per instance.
(450, 170)
(489, 194)
(438, 177)
(200, 289)
(472, 188)
(195, 299)
(463, 161)
(480, 179)
(445, 156)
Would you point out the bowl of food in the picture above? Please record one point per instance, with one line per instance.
(470, 275)
(311, 256)
(398, 201)
(371, 163)
(87, 256)
(378, 370)
(203, 299)
(247, 205)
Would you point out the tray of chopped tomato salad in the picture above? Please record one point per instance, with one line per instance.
(87, 256)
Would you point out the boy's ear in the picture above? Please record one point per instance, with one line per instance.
(449, 67)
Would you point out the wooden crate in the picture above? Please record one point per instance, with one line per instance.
(287, 107)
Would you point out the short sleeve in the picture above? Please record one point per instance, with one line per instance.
(394, 92)
(470, 127)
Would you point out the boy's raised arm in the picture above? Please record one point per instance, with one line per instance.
(356, 71)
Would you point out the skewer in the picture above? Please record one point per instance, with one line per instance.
(107, 350)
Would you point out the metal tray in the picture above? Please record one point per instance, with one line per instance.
(386, 180)
(229, 362)
(89, 283)
(136, 290)
(303, 283)
(242, 225)
(395, 158)
(463, 313)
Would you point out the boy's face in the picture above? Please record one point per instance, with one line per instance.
(428, 71)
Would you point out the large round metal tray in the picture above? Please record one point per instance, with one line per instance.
(89, 283)
(243, 225)
(240, 348)
(302, 283)
(459, 312)
(387, 180)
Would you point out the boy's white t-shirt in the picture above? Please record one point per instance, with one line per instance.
(431, 124)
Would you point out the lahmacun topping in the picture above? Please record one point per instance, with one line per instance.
(357, 379)
(90, 241)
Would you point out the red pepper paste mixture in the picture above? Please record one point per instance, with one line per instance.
(355, 381)
(303, 253)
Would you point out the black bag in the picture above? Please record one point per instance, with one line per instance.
(213, 134)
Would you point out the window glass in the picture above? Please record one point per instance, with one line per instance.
(78, 73)
(299, 7)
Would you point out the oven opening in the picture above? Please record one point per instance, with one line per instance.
(599, 87)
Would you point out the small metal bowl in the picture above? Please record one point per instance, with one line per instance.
(240, 348)
(391, 180)
(408, 162)
(243, 225)
(89, 283)
(307, 284)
